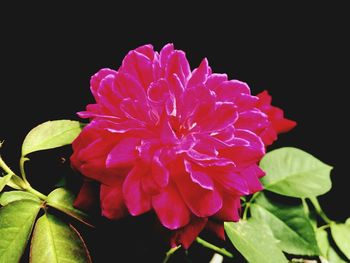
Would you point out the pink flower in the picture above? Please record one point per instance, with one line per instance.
(277, 122)
(182, 143)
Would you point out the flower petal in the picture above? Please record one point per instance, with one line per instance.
(123, 154)
(112, 203)
(230, 210)
(178, 64)
(87, 196)
(186, 235)
(170, 208)
(139, 66)
(202, 202)
(199, 75)
(199, 177)
(136, 200)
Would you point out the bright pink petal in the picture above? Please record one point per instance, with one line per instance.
(217, 228)
(136, 200)
(170, 208)
(214, 80)
(188, 234)
(199, 177)
(139, 66)
(112, 203)
(199, 75)
(178, 64)
(97, 78)
(202, 202)
(146, 50)
(87, 196)
(123, 154)
(160, 173)
(252, 175)
(230, 210)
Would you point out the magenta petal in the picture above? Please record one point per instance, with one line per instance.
(97, 78)
(230, 210)
(217, 228)
(136, 200)
(199, 75)
(112, 203)
(178, 64)
(146, 50)
(252, 120)
(214, 80)
(123, 154)
(139, 66)
(202, 202)
(160, 173)
(170, 208)
(165, 53)
(87, 197)
(188, 234)
(252, 175)
(158, 91)
(198, 177)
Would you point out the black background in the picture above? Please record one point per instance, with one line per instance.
(300, 54)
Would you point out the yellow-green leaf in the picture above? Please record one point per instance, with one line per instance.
(16, 224)
(254, 240)
(289, 225)
(55, 241)
(62, 199)
(341, 236)
(50, 134)
(293, 172)
(12, 196)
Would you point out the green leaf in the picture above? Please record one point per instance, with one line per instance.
(16, 224)
(4, 181)
(347, 222)
(50, 134)
(327, 252)
(341, 236)
(62, 199)
(289, 225)
(254, 241)
(54, 241)
(12, 196)
(293, 172)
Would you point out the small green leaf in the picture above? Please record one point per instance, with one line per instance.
(254, 240)
(62, 199)
(54, 241)
(12, 196)
(50, 134)
(347, 222)
(341, 236)
(16, 224)
(327, 252)
(289, 225)
(293, 172)
(4, 181)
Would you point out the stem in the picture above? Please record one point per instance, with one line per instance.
(15, 180)
(37, 193)
(4, 166)
(305, 206)
(319, 210)
(324, 227)
(170, 253)
(206, 244)
(247, 207)
(23, 184)
(21, 165)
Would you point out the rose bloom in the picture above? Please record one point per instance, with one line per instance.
(182, 143)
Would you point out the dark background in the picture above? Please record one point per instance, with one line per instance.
(300, 54)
